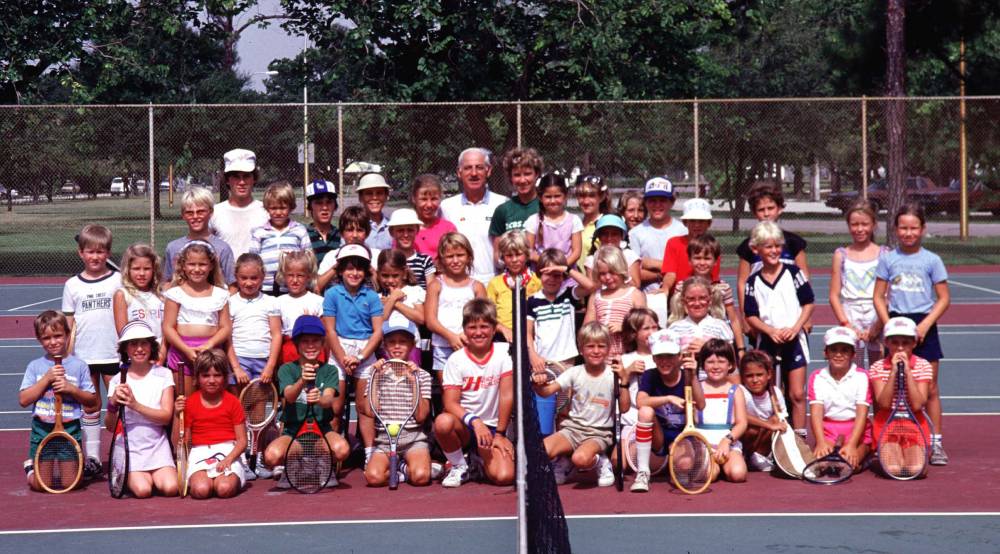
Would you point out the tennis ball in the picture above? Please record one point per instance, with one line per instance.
(393, 429)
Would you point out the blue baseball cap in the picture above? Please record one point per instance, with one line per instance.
(659, 187)
(611, 220)
(320, 187)
(308, 325)
(396, 324)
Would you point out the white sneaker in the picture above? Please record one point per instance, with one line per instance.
(605, 473)
(561, 468)
(249, 475)
(760, 462)
(263, 472)
(641, 483)
(283, 482)
(277, 472)
(331, 484)
(403, 471)
(437, 468)
(455, 477)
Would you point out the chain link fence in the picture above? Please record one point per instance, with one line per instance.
(125, 166)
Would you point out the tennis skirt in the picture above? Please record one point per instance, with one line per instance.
(205, 457)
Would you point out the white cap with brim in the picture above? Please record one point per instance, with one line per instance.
(240, 160)
(134, 330)
(396, 324)
(664, 342)
(697, 208)
(900, 327)
(372, 181)
(404, 217)
(840, 335)
(353, 251)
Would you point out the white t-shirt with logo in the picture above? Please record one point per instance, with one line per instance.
(479, 383)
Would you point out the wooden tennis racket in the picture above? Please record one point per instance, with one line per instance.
(181, 451)
(831, 469)
(58, 458)
(260, 404)
(118, 454)
(553, 370)
(902, 445)
(309, 458)
(393, 394)
(691, 465)
(791, 453)
(656, 463)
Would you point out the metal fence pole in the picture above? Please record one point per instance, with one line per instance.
(963, 206)
(864, 147)
(519, 124)
(150, 183)
(340, 153)
(697, 148)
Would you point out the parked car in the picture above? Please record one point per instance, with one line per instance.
(6, 193)
(139, 186)
(69, 187)
(878, 193)
(117, 186)
(947, 199)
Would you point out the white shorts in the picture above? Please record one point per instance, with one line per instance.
(441, 354)
(204, 458)
(862, 315)
(353, 347)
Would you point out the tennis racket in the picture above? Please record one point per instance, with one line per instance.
(690, 462)
(260, 404)
(616, 416)
(393, 394)
(902, 446)
(58, 459)
(831, 469)
(656, 463)
(553, 370)
(118, 455)
(181, 448)
(309, 458)
(791, 453)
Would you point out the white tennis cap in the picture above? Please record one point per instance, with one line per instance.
(900, 327)
(372, 181)
(840, 335)
(240, 160)
(664, 342)
(134, 330)
(353, 251)
(697, 208)
(403, 217)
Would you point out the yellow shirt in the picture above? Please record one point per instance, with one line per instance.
(587, 237)
(499, 293)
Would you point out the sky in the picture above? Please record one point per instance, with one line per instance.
(258, 47)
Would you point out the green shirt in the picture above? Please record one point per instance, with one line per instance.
(511, 215)
(327, 377)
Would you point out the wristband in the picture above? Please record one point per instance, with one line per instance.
(468, 418)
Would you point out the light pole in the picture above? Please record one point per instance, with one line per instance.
(305, 117)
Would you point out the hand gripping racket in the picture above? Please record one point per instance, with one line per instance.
(58, 459)
(181, 448)
(691, 464)
(393, 394)
(260, 404)
(791, 453)
(552, 371)
(616, 416)
(118, 454)
(831, 469)
(309, 458)
(902, 445)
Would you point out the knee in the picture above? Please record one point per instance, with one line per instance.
(141, 490)
(582, 460)
(200, 489)
(227, 488)
(375, 477)
(444, 423)
(646, 414)
(796, 395)
(341, 450)
(503, 475)
(419, 476)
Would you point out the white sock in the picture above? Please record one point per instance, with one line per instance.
(936, 439)
(456, 458)
(801, 432)
(91, 425)
(368, 453)
(643, 445)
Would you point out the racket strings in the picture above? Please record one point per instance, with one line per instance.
(394, 395)
(259, 404)
(308, 463)
(58, 463)
(903, 450)
(118, 465)
(692, 463)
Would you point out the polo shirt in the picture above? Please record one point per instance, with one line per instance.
(321, 245)
(511, 215)
(353, 312)
(839, 398)
(473, 220)
(379, 238)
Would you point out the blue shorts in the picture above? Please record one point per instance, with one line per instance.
(787, 356)
(930, 348)
(471, 444)
(253, 366)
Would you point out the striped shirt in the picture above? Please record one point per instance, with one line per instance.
(612, 311)
(322, 245)
(422, 268)
(270, 243)
(555, 324)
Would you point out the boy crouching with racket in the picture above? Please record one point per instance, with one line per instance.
(309, 388)
(661, 402)
(586, 433)
(399, 398)
(46, 377)
(478, 395)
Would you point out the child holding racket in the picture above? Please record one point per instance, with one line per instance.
(215, 427)
(353, 316)
(298, 272)
(478, 400)
(147, 396)
(661, 403)
(399, 338)
(425, 195)
(514, 248)
(44, 378)
(552, 226)
(88, 304)
(279, 234)
(255, 350)
(140, 297)
(723, 419)
(912, 282)
(586, 433)
(403, 227)
(402, 300)
(324, 386)
(695, 313)
(839, 399)
(552, 310)
(639, 325)
(612, 302)
(196, 311)
(447, 296)
(757, 378)
(778, 303)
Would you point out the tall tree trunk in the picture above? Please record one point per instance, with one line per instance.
(896, 110)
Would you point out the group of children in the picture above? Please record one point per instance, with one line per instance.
(323, 305)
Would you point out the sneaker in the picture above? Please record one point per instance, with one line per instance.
(278, 472)
(437, 470)
(561, 467)
(263, 472)
(402, 471)
(332, 483)
(455, 477)
(283, 482)
(760, 462)
(641, 483)
(938, 456)
(249, 475)
(605, 473)
(92, 468)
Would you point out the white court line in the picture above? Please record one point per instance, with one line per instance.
(970, 397)
(33, 304)
(487, 519)
(975, 287)
(19, 346)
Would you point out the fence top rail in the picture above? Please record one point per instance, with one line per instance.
(513, 102)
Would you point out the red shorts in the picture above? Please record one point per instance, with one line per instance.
(878, 424)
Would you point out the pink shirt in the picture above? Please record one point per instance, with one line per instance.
(428, 237)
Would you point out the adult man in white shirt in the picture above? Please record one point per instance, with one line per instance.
(472, 209)
(233, 219)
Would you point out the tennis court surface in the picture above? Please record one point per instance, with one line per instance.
(956, 506)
